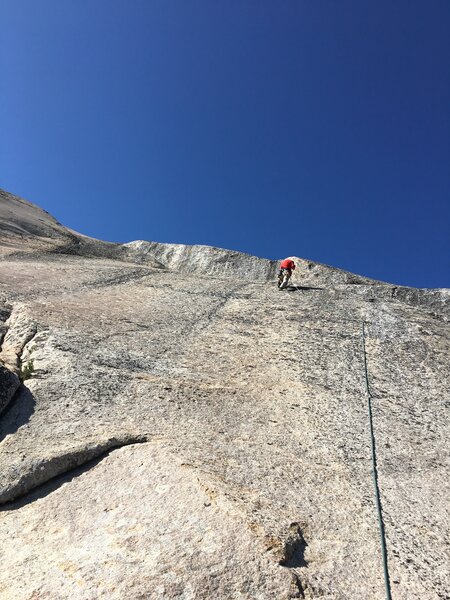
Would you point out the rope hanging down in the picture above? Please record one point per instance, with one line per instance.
(375, 474)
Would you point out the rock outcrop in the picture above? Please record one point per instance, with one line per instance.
(174, 427)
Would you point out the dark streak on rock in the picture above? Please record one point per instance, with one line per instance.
(297, 589)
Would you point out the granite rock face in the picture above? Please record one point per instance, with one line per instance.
(184, 430)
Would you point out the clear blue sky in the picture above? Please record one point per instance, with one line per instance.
(319, 128)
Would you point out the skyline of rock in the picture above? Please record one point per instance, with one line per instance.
(187, 431)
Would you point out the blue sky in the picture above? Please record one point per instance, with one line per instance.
(316, 128)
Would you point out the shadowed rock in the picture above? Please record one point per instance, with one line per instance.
(9, 384)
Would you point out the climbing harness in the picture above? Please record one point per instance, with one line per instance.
(375, 472)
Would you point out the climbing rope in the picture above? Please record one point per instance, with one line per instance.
(375, 474)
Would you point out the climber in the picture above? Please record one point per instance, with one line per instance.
(286, 267)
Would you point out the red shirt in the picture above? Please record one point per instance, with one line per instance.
(287, 263)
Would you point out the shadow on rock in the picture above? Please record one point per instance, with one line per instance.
(294, 548)
(297, 558)
(47, 488)
(18, 412)
(51, 473)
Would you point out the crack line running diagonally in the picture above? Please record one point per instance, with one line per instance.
(55, 467)
(375, 471)
(190, 331)
(130, 277)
